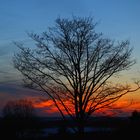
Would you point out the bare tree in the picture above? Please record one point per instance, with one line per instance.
(73, 65)
(20, 120)
(18, 109)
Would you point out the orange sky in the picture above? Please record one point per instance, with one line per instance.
(123, 107)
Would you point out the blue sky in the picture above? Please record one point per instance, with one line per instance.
(118, 19)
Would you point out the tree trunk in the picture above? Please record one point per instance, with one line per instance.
(81, 127)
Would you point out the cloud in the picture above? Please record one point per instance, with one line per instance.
(120, 108)
(45, 106)
(14, 92)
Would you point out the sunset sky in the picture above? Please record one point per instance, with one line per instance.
(118, 20)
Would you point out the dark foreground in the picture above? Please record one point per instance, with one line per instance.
(98, 129)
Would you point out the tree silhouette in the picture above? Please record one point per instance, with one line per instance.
(135, 117)
(19, 120)
(19, 109)
(73, 65)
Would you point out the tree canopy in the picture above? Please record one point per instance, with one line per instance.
(73, 65)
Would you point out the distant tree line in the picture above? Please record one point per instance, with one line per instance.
(19, 120)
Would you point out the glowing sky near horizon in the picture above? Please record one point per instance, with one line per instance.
(118, 20)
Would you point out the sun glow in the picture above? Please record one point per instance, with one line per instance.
(121, 107)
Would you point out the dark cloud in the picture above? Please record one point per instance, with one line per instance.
(14, 92)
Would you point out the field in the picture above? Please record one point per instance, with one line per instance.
(109, 128)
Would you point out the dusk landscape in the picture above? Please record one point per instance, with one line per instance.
(69, 69)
